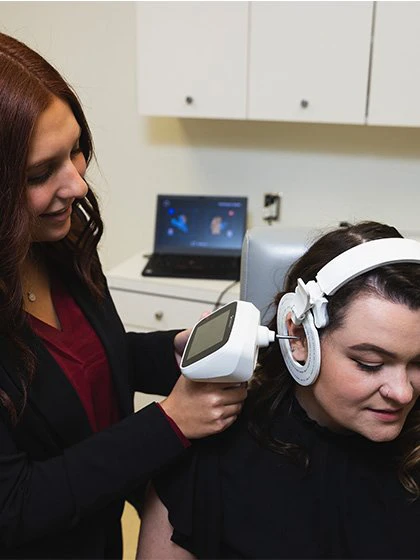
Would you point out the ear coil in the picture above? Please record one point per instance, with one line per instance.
(304, 374)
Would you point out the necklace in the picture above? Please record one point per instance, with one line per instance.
(31, 296)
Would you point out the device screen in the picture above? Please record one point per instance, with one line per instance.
(210, 334)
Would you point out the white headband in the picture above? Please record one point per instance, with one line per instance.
(345, 267)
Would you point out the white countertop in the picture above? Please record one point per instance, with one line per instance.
(127, 277)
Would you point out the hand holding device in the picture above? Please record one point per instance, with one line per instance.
(204, 409)
(223, 347)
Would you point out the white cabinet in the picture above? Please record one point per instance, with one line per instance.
(332, 62)
(309, 61)
(192, 58)
(395, 78)
(142, 311)
(295, 61)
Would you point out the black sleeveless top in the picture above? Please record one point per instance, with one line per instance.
(232, 498)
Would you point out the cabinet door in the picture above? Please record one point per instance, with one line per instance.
(192, 58)
(150, 312)
(395, 78)
(309, 61)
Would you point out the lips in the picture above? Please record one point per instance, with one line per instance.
(387, 414)
(386, 410)
(56, 213)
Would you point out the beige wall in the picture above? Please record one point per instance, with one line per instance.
(326, 173)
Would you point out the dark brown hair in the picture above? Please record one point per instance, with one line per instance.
(272, 383)
(28, 85)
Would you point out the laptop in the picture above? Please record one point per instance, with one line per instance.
(198, 236)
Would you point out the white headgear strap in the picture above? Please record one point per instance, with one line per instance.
(308, 303)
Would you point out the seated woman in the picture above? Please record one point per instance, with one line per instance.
(317, 466)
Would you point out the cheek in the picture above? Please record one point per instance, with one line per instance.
(337, 380)
(331, 367)
(80, 164)
(415, 382)
(342, 386)
(36, 201)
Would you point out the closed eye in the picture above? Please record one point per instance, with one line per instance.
(40, 179)
(365, 366)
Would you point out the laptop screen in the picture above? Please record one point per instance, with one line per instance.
(200, 225)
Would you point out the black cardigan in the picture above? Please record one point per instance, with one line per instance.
(62, 488)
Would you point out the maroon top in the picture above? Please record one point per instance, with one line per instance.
(79, 352)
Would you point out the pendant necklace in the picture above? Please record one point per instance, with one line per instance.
(31, 272)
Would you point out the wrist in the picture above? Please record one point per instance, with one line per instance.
(184, 440)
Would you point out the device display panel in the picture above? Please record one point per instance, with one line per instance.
(210, 334)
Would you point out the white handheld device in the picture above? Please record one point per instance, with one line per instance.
(223, 347)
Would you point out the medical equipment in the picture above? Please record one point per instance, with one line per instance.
(223, 347)
(307, 305)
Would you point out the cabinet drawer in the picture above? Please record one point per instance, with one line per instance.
(140, 311)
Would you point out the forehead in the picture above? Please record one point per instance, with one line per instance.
(371, 318)
(54, 130)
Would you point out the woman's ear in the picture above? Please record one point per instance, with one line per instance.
(298, 347)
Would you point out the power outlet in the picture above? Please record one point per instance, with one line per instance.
(271, 210)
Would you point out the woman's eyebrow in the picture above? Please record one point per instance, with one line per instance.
(366, 347)
(40, 163)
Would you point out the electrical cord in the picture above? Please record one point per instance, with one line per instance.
(222, 293)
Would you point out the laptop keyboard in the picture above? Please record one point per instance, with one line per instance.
(194, 267)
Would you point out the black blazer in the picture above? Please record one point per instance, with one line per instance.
(62, 488)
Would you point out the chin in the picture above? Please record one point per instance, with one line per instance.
(52, 235)
(382, 436)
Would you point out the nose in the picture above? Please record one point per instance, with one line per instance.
(400, 388)
(72, 182)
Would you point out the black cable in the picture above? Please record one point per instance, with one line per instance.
(222, 293)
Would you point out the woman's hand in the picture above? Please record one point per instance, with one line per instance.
(181, 339)
(180, 342)
(202, 409)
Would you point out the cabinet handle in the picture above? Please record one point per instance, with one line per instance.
(159, 315)
(304, 103)
(189, 100)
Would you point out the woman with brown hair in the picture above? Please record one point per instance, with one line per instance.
(324, 461)
(71, 448)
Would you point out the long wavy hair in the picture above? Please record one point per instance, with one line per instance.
(273, 385)
(28, 85)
